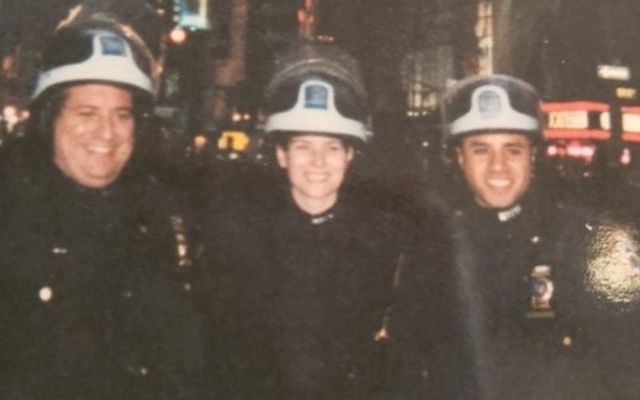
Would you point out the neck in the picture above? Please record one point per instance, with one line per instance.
(314, 206)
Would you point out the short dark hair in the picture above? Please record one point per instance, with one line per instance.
(283, 139)
(44, 112)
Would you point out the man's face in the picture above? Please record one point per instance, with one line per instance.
(497, 166)
(94, 134)
(316, 167)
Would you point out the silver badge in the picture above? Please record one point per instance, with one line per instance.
(542, 288)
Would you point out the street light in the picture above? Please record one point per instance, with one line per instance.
(178, 36)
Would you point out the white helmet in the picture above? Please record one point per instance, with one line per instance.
(316, 110)
(96, 53)
(317, 89)
(491, 103)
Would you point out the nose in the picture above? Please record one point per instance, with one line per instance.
(497, 162)
(108, 127)
(318, 158)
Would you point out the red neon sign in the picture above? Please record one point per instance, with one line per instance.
(588, 120)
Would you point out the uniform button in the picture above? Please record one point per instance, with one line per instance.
(567, 341)
(127, 294)
(535, 239)
(138, 370)
(143, 228)
(59, 250)
(186, 287)
(45, 294)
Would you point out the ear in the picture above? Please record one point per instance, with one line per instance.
(534, 153)
(349, 154)
(281, 155)
(459, 156)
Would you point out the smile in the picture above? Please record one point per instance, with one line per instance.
(316, 176)
(100, 149)
(498, 183)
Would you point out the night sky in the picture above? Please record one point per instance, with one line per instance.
(26, 24)
(28, 21)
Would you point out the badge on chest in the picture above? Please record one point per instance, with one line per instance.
(542, 292)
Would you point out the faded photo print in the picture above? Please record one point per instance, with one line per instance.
(319, 199)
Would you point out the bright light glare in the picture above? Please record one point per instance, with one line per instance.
(178, 36)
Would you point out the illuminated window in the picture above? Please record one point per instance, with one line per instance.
(484, 33)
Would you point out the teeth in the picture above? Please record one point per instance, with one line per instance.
(498, 183)
(100, 149)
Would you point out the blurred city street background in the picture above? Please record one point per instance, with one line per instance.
(582, 55)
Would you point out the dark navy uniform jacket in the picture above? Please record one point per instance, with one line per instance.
(499, 345)
(93, 303)
(295, 301)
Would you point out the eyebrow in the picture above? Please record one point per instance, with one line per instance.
(298, 140)
(96, 107)
(302, 140)
(516, 144)
(473, 143)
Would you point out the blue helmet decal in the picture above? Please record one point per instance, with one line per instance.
(315, 111)
(316, 96)
(491, 109)
(489, 103)
(112, 46)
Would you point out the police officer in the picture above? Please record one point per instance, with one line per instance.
(518, 254)
(93, 303)
(310, 266)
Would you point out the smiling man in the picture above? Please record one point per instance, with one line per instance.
(497, 167)
(94, 134)
(493, 124)
(88, 238)
(519, 251)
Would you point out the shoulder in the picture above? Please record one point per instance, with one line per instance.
(574, 210)
(238, 188)
(374, 218)
(421, 232)
(17, 157)
(565, 219)
(151, 199)
(24, 174)
(239, 210)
